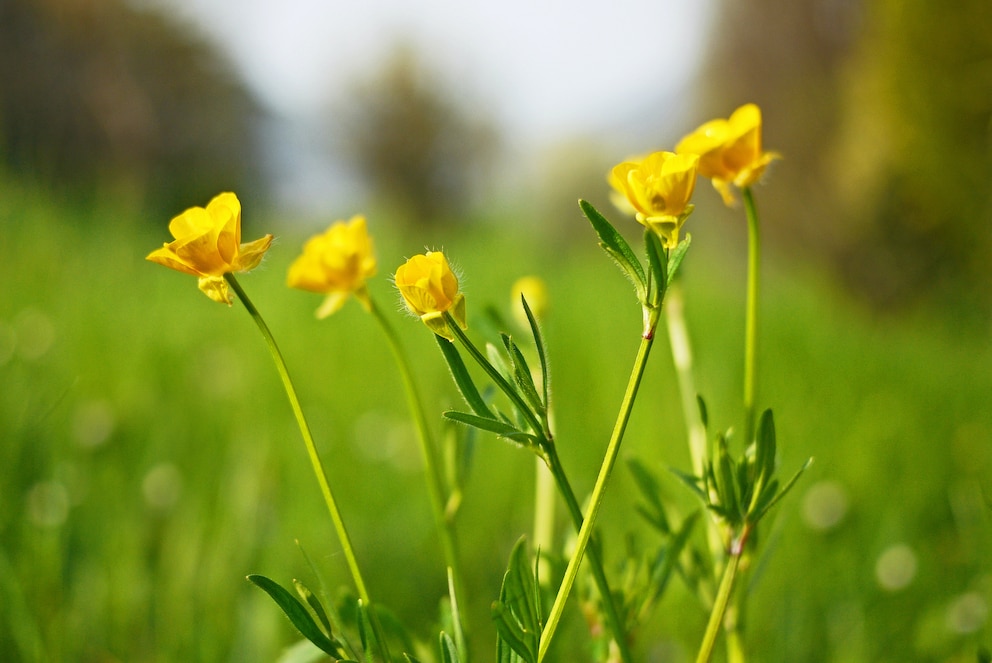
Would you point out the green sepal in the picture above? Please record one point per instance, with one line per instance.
(617, 247)
(676, 255)
(463, 380)
(501, 428)
(535, 329)
(517, 613)
(658, 269)
(297, 614)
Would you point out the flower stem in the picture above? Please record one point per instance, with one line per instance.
(318, 466)
(435, 486)
(751, 319)
(586, 524)
(722, 599)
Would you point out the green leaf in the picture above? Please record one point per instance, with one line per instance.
(703, 414)
(521, 373)
(765, 445)
(297, 614)
(449, 653)
(617, 247)
(303, 651)
(517, 613)
(501, 428)
(462, 378)
(535, 329)
(366, 632)
(726, 479)
(694, 483)
(663, 573)
(315, 605)
(657, 272)
(651, 492)
(676, 256)
(795, 477)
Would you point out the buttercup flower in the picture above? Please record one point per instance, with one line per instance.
(659, 188)
(730, 150)
(336, 263)
(429, 289)
(208, 245)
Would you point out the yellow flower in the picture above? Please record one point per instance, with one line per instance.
(659, 188)
(208, 245)
(336, 263)
(730, 150)
(430, 289)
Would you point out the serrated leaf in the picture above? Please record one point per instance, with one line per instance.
(676, 256)
(463, 380)
(296, 613)
(617, 247)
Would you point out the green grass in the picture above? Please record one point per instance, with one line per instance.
(149, 460)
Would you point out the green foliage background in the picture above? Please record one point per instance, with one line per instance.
(149, 460)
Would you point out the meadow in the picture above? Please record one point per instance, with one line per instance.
(149, 460)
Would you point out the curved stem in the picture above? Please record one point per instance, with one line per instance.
(751, 319)
(435, 486)
(586, 524)
(318, 466)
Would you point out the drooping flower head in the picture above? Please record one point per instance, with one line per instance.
(429, 289)
(207, 244)
(730, 150)
(336, 263)
(659, 188)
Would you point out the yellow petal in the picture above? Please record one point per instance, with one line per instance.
(167, 257)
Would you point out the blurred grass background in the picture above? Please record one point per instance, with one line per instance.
(149, 460)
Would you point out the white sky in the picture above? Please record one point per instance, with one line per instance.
(529, 59)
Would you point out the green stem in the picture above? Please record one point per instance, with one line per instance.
(558, 472)
(586, 524)
(435, 485)
(751, 319)
(318, 466)
(723, 594)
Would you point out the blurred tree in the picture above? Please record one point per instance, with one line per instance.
(883, 110)
(98, 95)
(421, 150)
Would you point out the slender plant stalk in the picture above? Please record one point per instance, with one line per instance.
(723, 595)
(751, 319)
(564, 487)
(586, 524)
(435, 486)
(318, 466)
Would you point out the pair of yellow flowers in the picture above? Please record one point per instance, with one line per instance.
(657, 189)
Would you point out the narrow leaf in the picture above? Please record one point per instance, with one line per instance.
(765, 445)
(462, 378)
(315, 605)
(651, 491)
(492, 425)
(617, 247)
(296, 613)
(449, 653)
(535, 329)
(785, 489)
(703, 414)
(694, 483)
(521, 373)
